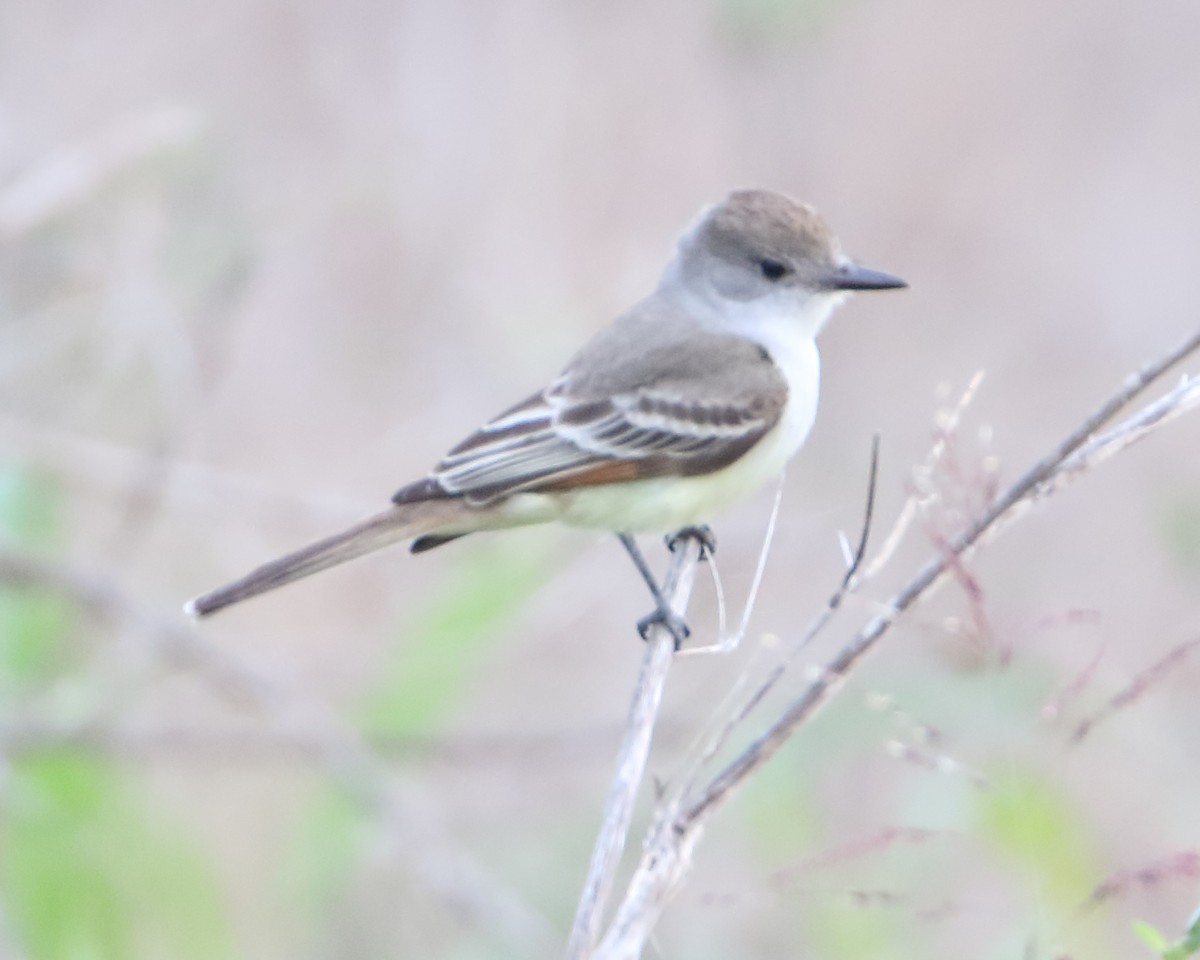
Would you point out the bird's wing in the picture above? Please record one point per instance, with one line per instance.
(679, 409)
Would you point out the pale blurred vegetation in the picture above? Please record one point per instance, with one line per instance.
(260, 263)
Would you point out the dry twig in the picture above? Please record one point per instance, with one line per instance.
(1137, 687)
(684, 812)
(631, 758)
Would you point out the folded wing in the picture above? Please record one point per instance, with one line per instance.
(565, 437)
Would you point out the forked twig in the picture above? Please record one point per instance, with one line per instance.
(632, 756)
(739, 714)
(728, 642)
(1034, 482)
(634, 750)
(685, 812)
(1136, 687)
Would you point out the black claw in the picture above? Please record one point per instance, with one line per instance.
(702, 534)
(663, 614)
(669, 619)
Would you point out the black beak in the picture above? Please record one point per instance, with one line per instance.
(852, 276)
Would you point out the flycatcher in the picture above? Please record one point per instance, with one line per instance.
(691, 399)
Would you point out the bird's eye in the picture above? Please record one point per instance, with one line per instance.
(773, 269)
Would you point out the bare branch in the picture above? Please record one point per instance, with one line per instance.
(947, 423)
(727, 642)
(683, 815)
(848, 583)
(1183, 864)
(1137, 687)
(632, 756)
(1032, 483)
(1177, 402)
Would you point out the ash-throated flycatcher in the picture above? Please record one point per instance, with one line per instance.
(691, 399)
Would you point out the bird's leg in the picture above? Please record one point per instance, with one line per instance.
(702, 534)
(662, 613)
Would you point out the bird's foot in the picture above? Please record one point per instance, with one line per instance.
(701, 534)
(668, 618)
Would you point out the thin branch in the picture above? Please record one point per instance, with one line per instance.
(1137, 687)
(677, 829)
(868, 518)
(847, 585)
(728, 642)
(1032, 483)
(1177, 402)
(632, 756)
(1183, 864)
(1135, 384)
(947, 422)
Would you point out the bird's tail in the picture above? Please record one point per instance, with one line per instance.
(401, 522)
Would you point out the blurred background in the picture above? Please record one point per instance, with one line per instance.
(261, 263)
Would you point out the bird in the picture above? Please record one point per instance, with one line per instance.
(686, 402)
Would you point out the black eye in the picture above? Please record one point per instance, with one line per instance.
(773, 269)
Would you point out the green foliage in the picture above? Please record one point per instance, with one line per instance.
(88, 872)
(843, 929)
(427, 677)
(1186, 947)
(29, 506)
(33, 623)
(330, 839)
(1153, 939)
(778, 810)
(1041, 834)
(1179, 523)
(441, 652)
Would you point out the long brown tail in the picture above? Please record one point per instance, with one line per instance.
(401, 522)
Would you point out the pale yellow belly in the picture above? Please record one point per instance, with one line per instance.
(663, 504)
(667, 503)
